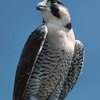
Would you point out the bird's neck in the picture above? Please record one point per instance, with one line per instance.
(55, 30)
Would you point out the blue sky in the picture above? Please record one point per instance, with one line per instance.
(18, 18)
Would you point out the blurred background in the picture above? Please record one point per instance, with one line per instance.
(18, 18)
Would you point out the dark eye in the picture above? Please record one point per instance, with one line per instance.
(53, 1)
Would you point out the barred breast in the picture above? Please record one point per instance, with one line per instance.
(51, 67)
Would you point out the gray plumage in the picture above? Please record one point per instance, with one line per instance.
(52, 59)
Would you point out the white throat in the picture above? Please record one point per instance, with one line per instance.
(60, 36)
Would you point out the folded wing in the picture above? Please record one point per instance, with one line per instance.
(27, 60)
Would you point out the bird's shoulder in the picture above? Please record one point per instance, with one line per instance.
(28, 57)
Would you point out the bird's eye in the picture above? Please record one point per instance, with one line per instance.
(53, 1)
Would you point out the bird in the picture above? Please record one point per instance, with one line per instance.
(52, 58)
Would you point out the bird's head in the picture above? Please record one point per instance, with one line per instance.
(54, 11)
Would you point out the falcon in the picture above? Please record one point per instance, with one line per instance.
(52, 59)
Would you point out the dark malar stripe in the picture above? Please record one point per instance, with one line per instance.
(55, 10)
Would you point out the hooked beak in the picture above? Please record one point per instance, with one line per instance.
(41, 6)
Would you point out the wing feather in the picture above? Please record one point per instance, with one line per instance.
(75, 69)
(27, 60)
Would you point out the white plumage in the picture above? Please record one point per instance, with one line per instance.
(52, 59)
